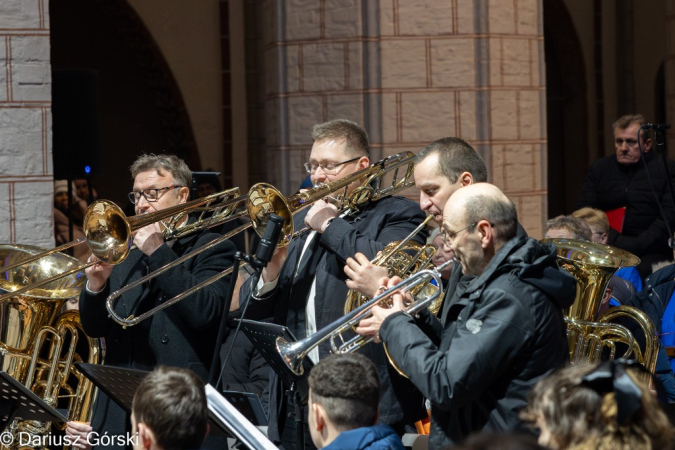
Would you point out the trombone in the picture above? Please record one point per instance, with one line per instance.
(293, 353)
(109, 232)
(264, 199)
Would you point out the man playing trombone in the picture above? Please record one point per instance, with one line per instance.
(182, 335)
(503, 331)
(304, 288)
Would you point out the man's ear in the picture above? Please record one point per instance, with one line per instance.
(183, 194)
(465, 179)
(486, 231)
(319, 416)
(647, 145)
(364, 162)
(146, 438)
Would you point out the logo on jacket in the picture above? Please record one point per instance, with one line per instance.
(474, 325)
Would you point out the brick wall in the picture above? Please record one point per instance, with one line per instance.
(26, 181)
(412, 72)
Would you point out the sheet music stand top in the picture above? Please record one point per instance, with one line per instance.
(25, 405)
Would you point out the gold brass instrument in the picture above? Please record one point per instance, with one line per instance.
(401, 258)
(593, 265)
(109, 232)
(264, 199)
(30, 321)
(294, 352)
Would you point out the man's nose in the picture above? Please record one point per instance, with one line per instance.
(319, 176)
(424, 202)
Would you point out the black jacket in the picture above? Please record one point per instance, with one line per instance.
(182, 335)
(610, 185)
(368, 231)
(504, 331)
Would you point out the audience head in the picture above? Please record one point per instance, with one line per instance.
(61, 194)
(477, 221)
(344, 392)
(169, 410)
(443, 253)
(597, 221)
(568, 227)
(442, 167)
(340, 148)
(166, 179)
(625, 138)
(84, 190)
(597, 407)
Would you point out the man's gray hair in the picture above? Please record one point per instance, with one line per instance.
(455, 156)
(354, 135)
(578, 227)
(182, 174)
(500, 212)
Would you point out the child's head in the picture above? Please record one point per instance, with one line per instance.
(169, 411)
(598, 407)
(344, 392)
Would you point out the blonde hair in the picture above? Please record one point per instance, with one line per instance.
(593, 217)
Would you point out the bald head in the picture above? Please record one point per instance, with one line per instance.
(484, 201)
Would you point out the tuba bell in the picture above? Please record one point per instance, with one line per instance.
(593, 265)
(38, 346)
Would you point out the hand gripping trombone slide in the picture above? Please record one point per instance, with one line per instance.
(294, 352)
(263, 200)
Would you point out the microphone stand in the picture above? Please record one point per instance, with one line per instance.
(263, 255)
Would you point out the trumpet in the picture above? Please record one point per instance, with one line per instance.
(109, 232)
(293, 353)
(264, 199)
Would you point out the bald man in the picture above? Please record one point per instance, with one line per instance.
(504, 332)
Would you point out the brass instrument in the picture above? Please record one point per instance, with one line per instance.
(31, 320)
(294, 352)
(593, 265)
(264, 199)
(401, 258)
(109, 232)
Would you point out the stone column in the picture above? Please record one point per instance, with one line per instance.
(26, 180)
(412, 72)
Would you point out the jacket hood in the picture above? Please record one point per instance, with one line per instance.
(533, 263)
(376, 437)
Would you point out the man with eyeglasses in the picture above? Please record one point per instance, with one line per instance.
(304, 287)
(620, 181)
(504, 332)
(182, 335)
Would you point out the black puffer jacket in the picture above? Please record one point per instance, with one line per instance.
(501, 335)
(610, 185)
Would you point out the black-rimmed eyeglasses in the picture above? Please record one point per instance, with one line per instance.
(151, 195)
(449, 236)
(328, 168)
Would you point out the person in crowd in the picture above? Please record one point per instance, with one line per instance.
(599, 224)
(182, 335)
(511, 308)
(343, 395)
(63, 214)
(303, 287)
(604, 406)
(442, 255)
(568, 227)
(625, 180)
(85, 190)
(169, 411)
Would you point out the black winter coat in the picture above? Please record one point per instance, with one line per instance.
(182, 335)
(610, 185)
(503, 333)
(368, 231)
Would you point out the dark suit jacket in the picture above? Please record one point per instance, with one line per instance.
(182, 335)
(368, 231)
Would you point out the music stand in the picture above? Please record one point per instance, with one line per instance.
(18, 402)
(117, 383)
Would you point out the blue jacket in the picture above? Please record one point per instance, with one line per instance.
(378, 437)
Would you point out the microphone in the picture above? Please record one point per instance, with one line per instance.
(656, 126)
(268, 243)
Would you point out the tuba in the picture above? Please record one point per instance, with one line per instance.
(593, 265)
(38, 347)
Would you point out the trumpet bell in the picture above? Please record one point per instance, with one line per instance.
(108, 232)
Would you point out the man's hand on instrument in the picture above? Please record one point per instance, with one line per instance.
(364, 277)
(370, 327)
(77, 432)
(98, 274)
(271, 271)
(150, 238)
(319, 215)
